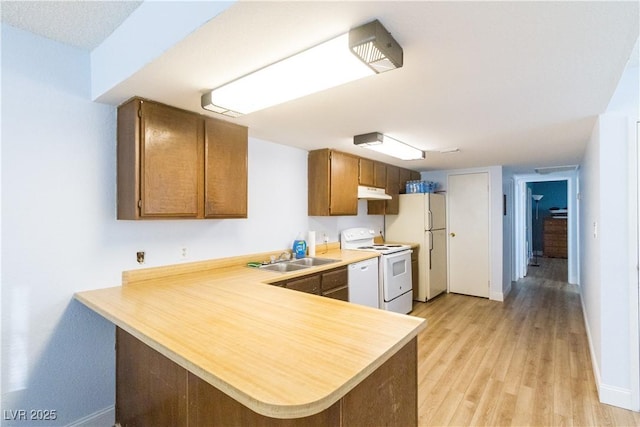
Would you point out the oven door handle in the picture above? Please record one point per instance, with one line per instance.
(398, 254)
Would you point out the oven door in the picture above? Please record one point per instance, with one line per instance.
(396, 274)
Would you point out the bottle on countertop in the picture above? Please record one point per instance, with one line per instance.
(299, 247)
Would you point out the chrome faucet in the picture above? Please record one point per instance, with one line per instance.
(284, 256)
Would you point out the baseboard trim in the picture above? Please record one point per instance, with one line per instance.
(103, 418)
(496, 296)
(594, 362)
(610, 395)
(616, 396)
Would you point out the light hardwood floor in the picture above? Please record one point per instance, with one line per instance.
(522, 362)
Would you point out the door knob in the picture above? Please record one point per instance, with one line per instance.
(452, 234)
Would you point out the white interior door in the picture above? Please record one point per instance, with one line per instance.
(468, 238)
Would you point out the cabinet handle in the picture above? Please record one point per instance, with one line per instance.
(452, 234)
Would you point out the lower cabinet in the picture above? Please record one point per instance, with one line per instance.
(335, 284)
(331, 284)
(152, 390)
(309, 284)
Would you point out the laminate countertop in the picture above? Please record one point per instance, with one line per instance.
(280, 352)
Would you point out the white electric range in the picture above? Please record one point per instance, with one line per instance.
(395, 292)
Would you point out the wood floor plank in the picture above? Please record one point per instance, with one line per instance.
(522, 362)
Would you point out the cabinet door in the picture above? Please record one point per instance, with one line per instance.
(225, 170)
(404, 176)
(392, 207)
(341, 294)
(308, 284)
(336, 278)
(379, 175)
(366, 172)
(171, 159)
(151, 390)
(318, 177)
(344, 184)
(391, 186)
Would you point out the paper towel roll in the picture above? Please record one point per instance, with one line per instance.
(311, 243)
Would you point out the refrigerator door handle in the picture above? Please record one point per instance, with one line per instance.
(429, 220)
(430, 247)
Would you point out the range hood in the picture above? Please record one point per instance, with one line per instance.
(372, 193)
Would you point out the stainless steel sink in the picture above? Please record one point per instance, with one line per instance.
(298, 264)
(312, 262)
(284, 267)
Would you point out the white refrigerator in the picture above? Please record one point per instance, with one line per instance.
(422, 220)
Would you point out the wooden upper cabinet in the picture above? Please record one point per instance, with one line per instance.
(161, 164)
(171, 147)
(366, 172)
(404, 176)
(372, 173)
(226, 153)
(379, 175)
(392, 188)
(344, 184)
(333, 183)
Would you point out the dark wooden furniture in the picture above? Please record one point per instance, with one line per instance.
(554, 238)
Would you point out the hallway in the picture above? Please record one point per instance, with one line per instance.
(522, 362)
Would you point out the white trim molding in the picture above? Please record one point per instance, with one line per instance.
(103, 418)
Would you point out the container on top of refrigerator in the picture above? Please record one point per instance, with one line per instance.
(418, 186)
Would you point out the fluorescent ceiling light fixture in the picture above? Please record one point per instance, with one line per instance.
(363, 51)
(386, 145)
(452, 150)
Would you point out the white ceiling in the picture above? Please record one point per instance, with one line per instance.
(514, 83)
(83, 24)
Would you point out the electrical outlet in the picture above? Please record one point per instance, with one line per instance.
(140, 257)
(325, 238)
(183, 252)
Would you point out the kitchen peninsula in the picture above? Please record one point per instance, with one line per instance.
(211, 343)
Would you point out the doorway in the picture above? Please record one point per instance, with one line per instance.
(529, 232)
(548, 221)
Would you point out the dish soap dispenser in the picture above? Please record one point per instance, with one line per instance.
(299, 247)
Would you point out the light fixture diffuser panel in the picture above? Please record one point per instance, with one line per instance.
(324, 66)
(384, 144)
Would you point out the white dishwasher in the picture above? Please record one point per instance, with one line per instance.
(363, 283)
